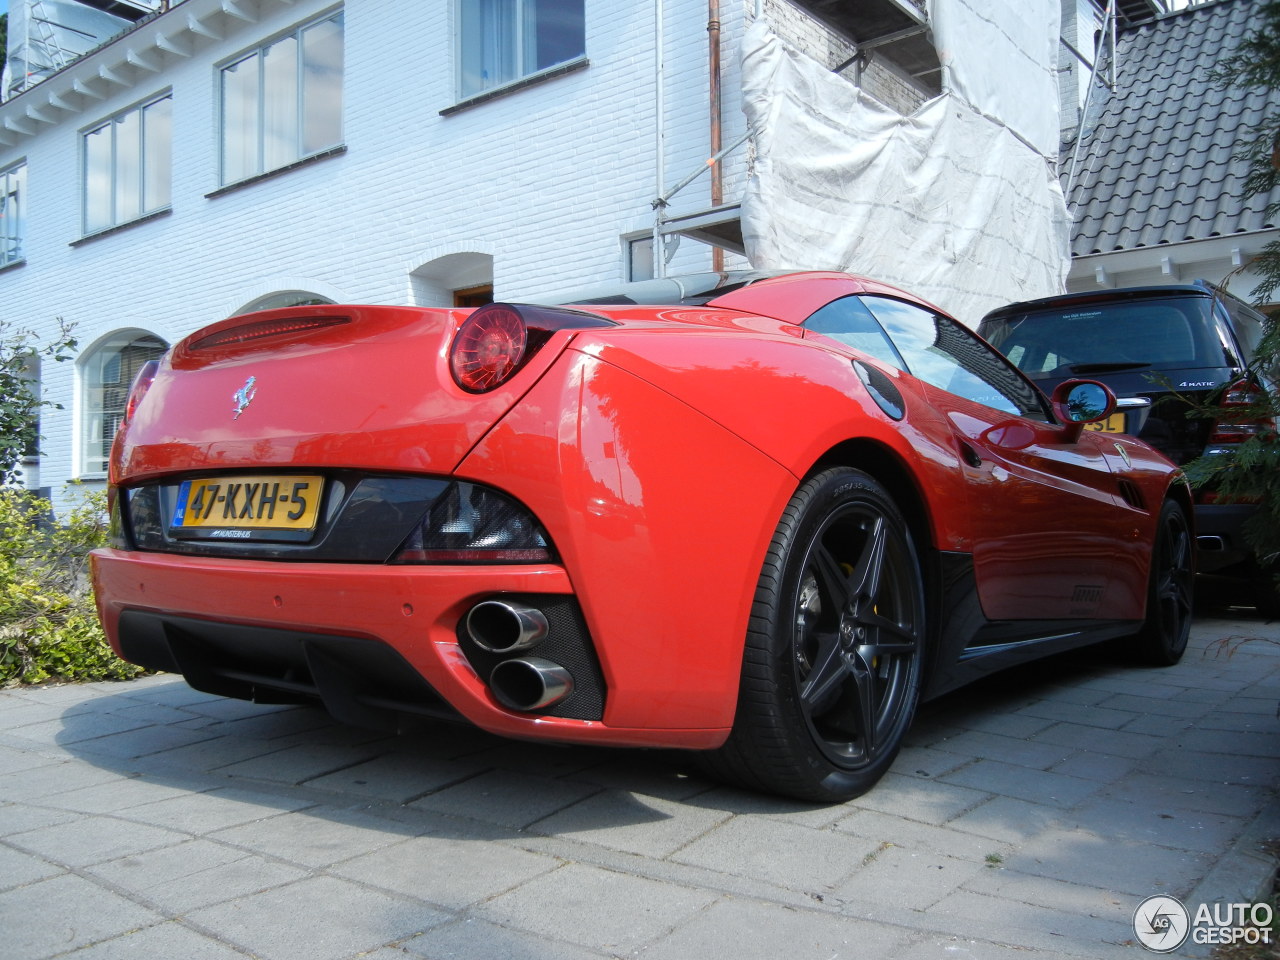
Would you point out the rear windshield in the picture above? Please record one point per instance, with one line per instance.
(1164, 334)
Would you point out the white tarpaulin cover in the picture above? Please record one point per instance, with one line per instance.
(950, 202)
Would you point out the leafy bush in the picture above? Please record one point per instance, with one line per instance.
(19, 405)
(49, 628)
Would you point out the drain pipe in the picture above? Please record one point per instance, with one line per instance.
(660, 146)
(717, 180)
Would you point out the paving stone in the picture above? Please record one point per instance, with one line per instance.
(53, 778)
(508, 798)
(396, 777)
(472, 938)
(1083, 714)
(1084, 857)
(21, 817)
(18, 868)
(56, 915)
(991, 746)
(960, 948)
(300, 763)
(214, 810)
(317, 837)
(1006, 819)
(78, 843)
(1117, 743)
(1216, 767)
(327, 919)
(142, 742)
(607, 911)
(791, 856)
(163, 941)
(1233, 800)
(116, 795)
(1019, 924)
(648, 826)
(1083, 899)
(906, 878)
(1166, 826)
(908, 834)
(929, 801)
(1099, 767)
(1038, 786)
(195, 874)
(735, 929)
(453, 873)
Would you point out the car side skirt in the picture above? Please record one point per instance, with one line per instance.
(967, 645)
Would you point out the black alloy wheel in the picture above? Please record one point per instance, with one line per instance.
(835, 648)
(1163, 636)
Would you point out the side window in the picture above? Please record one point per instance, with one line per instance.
(283, 101)
(941, 352)
(13, 214)
(127, 165)
(850, 322)
(501, 41)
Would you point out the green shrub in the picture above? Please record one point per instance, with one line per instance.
(49, 628)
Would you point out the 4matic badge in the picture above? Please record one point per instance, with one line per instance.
(244, 396)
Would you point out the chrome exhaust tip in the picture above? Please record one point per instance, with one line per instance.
(530, 683)
(498, 626)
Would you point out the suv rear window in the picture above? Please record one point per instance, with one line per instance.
(1157, 334)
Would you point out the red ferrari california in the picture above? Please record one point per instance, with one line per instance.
(761, 522)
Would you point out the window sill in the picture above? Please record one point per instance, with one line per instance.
(127, 225)
(278, 171)
(515, 86)
(13, 264)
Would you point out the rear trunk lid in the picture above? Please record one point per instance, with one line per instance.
(358, 387)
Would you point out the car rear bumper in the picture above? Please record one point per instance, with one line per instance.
(369, 641)
(1220, 543)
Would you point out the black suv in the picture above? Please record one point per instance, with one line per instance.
(1163, 344)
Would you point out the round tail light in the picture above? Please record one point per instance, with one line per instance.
(488, 347)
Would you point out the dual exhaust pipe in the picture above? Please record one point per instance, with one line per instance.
(521, 683)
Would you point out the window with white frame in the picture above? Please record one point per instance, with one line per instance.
(13, 214)
(128, 165)
(501, 41)
(283, 101)
(107, 373)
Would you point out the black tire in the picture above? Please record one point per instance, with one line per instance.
(834, 652)
(1163, 636)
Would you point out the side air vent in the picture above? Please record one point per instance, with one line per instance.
(1132, 495)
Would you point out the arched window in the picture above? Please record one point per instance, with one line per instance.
(107, 372)
(285, 298)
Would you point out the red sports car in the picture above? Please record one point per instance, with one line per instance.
(761, 522)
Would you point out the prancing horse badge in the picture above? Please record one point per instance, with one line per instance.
(244, 396)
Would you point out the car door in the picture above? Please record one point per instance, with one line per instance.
(1051, 534)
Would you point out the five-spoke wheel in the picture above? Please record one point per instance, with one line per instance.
(1164, 633)
(833, 660)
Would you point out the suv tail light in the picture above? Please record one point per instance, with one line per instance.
(1246, 397)
(493, 343)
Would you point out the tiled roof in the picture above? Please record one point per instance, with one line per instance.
(1156, 162)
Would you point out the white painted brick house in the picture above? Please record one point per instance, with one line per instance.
(377, 152)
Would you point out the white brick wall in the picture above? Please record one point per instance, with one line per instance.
(544, 180)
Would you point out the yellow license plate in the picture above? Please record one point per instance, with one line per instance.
(249, 503)
(1113, 424)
